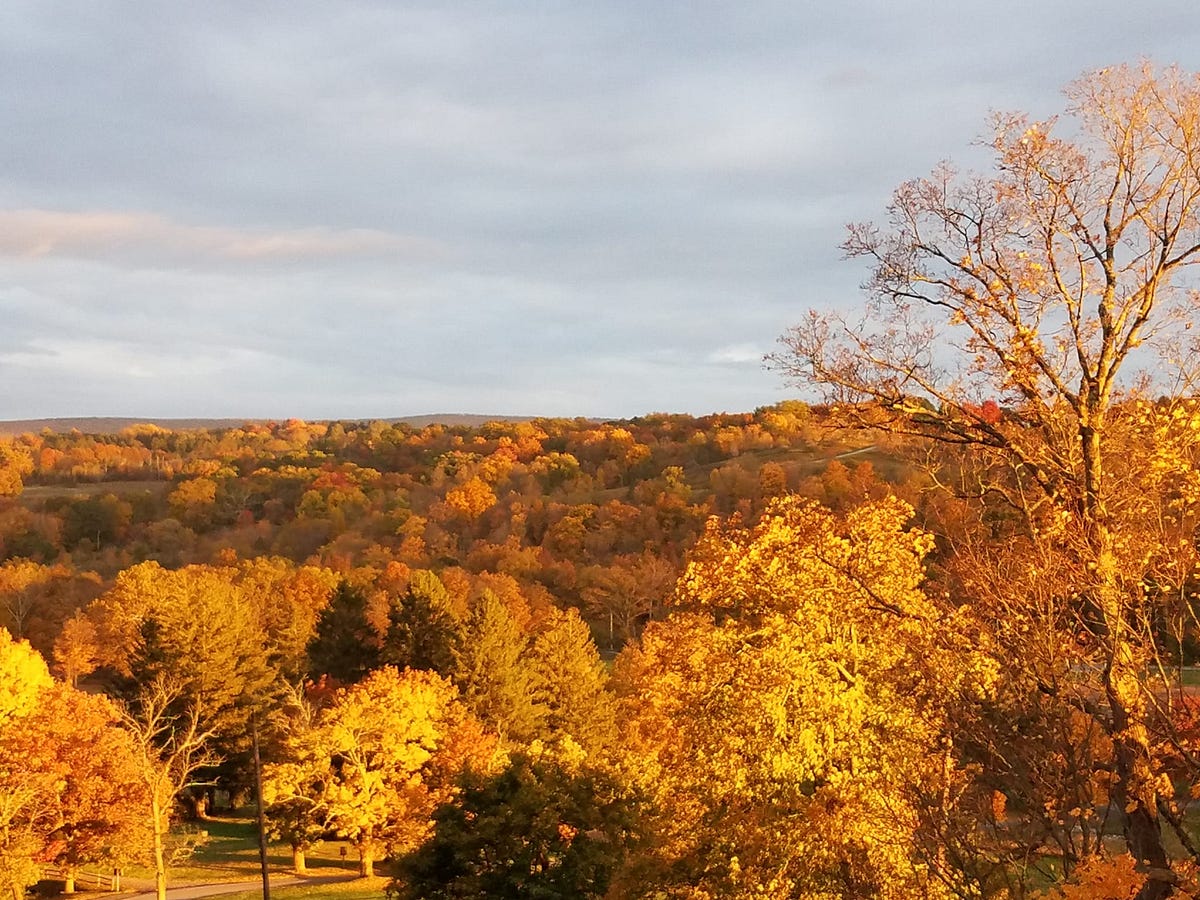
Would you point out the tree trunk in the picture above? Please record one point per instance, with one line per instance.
(68, 882)
(366, 863)
(299, 864)
(160, 863)
(1135, 792)
(1135, 789)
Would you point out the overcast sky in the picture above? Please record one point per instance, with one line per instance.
(355, 209)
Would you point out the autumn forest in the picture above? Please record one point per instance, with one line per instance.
(930, 632)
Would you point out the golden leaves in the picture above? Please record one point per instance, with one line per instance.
(788, 708)
(23, 675)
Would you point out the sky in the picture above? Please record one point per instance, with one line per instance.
(364, 210)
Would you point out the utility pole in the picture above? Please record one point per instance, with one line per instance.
(262, 815)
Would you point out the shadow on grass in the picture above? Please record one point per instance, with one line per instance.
(230, 852)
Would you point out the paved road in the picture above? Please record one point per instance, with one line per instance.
(199, 891)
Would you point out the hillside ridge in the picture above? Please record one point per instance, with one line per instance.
(114, 424)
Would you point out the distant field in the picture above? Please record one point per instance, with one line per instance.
(35, 492)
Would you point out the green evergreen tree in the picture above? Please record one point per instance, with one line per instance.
(490, 670)
(344, 646)
(570, 683)
(422, 633)
(544, 828)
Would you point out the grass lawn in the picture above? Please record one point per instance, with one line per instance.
(231, 854)
(359, 889)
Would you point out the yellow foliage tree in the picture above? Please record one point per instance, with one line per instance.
(782, 719)
(15, 463)
(380, 758)
(23, 674)
(287, 601)
(194, 502)
(471, 499)
(196, 624)
(69, 789)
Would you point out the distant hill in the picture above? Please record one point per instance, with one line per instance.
(115, 424)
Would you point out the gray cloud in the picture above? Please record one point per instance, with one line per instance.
(555, 207)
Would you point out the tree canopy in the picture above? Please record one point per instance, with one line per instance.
(1030, 318)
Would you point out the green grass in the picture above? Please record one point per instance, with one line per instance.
(230, 853)
(359, 889)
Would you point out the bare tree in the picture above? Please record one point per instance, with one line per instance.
(171, 748)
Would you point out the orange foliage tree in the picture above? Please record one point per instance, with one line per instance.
(69, 788)
(1060, 280)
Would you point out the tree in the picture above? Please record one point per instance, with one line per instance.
(15, 464)
(545, 827)
(94, 814)
(23, 675)
(96, 520)
(289, 602)
(294, 784)
(380, 759)
(192, 626)
(626, 595)
(1056, 287)
(69, 789)
(570, 684)
(782, 718)
(170, 747)
(35, 599)
(19, 579)
(422, 633)
(24, 787)
(471, 499)
(492, 672)
(194, 502)
(344, 646)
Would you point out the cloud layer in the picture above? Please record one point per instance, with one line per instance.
(376, 209)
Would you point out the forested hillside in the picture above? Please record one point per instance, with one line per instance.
(436, 597)
(569, 514)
